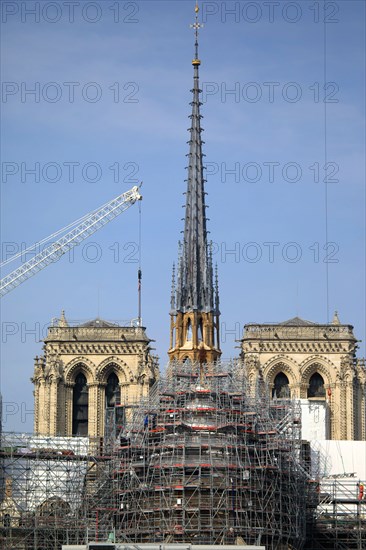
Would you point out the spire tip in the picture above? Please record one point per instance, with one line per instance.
(196, 26)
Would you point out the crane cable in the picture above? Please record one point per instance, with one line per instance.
(325, 120)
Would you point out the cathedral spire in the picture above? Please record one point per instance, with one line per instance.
(195, 277)
(195, 313)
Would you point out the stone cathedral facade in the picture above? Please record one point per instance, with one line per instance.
(315, 362)
(87, 369)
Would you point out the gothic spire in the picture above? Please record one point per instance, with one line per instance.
(194, 324)
(195, 274)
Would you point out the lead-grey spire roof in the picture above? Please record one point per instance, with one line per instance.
(195, 273)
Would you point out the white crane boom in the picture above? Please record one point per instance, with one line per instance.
(53, 252)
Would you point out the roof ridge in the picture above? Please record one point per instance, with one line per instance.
(298, 321)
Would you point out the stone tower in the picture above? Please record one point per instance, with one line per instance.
(194, 331)
(315, 363)
(86, 370)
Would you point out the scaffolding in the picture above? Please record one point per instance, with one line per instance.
(203, 462)
(340, 518)
(45, 485)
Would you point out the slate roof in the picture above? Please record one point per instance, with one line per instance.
(99, 323)
(297, 322)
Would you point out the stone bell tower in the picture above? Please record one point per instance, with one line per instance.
(85, 371)
(194, 330)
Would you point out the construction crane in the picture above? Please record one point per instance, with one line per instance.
(73, 234)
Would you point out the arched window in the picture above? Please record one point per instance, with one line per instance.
(316, 386)
(112, 391)
(281, 387)
(189, 331)
(200, 331)
(115, 413)
(80, 401)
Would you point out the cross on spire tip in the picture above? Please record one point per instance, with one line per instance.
(196, 27)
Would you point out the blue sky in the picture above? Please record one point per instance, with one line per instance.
(272, 56)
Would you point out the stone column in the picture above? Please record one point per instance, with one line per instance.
(45, 410)
(68, 408)
(303, 390)
(61, 406)
(363, 411)
(295, 390)
(39, 404)
(194, 328)
(350, 406)
(343, 411)
(53, 405)
(93, 410)
(100, 410)
(334, 419)
(36, 406)
(179, 329)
